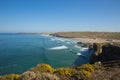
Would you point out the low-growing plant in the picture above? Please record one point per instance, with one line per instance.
(86, 67)
(98, 67)
(89, 67)
(65, 71)
(46, 76)
(29, 75)
(86, 73)
(112, 74)
(46, 72)
(85, 70)
(10, 77)
(42, 68)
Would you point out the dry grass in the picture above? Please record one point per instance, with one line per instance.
(104, 35)
(111, 74)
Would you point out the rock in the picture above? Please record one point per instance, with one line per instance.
(79, 42)
(105, 52)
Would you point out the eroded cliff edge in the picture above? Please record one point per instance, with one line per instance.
(105, 52)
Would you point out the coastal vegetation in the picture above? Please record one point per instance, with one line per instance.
(42, 68)
(10, 77)
(83, 72)
(46, 72)
(103, 35)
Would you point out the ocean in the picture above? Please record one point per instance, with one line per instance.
(20, 52)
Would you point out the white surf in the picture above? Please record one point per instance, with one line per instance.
(58, 48)
(79, 54)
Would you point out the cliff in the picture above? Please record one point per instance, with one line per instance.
(105, 52)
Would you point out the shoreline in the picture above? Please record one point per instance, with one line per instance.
(90, 37)
(87, 39)
(96, 40)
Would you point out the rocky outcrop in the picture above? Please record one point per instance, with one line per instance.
(105, 52)
(58, 35)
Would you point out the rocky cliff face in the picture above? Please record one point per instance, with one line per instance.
(105, 52)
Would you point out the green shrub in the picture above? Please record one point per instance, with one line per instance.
(86, 67)
(65, 71)
(89, 67)
(42, 68)
(46, 72)
(98, 67)
(10, 77)
(86, 73)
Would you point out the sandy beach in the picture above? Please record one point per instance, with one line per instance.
(94, 40)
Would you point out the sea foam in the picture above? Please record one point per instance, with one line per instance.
(84, 49)
(52, 39)
(77, 46)
(79, 54)
(58, 48)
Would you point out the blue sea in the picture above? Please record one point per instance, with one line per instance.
(20, 52)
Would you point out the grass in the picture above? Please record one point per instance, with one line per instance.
(104, 35)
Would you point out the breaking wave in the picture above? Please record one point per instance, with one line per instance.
(58, 48)
(79, 54)
(77, 46)
(84, 49)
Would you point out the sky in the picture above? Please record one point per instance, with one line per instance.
(59, 15)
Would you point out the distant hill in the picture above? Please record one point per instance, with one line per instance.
(103, 35)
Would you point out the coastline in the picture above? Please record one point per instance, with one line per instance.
(97, 40)
(90, 37)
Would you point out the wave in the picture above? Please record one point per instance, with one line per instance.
(45, 35)
(57, 39)
(77, 46)
(68, 42)
(79, 54)
(60, 39)
(52, 39)
(58, 48)
(84, 49)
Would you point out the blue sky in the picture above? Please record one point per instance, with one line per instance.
(59, 15)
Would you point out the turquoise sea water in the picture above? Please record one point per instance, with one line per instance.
(20, 52)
